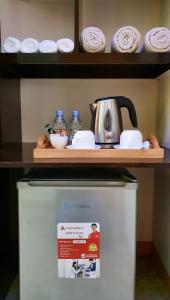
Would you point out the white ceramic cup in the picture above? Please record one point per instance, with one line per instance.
(132, 139)
(58, 141)
(83, 139)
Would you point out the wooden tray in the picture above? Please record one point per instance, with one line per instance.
(44, 150)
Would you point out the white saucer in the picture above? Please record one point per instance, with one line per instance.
(145, 146)
(118, 147)
(71, 147)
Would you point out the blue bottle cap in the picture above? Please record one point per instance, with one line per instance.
(59, 113)
(75, 113)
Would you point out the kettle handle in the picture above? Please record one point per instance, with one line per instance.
(125, 102)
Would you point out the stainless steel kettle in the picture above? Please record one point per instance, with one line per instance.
(106, 122)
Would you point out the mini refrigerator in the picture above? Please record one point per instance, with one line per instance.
(77, 234)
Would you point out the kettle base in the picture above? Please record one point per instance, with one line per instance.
(106, 146)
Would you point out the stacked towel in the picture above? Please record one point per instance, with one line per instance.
(93, 40)
(126, 40)
(29, 45)
(47, 46)
(65, 46)
(157, 40)
(11, 45)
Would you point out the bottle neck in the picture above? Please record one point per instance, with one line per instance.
(76, 118)
(59, 118)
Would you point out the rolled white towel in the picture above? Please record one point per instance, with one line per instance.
(47, 46)
(157, 40)
(93, 40)
(29, 45)
(126, 40)
(65, 45)
(11, 45)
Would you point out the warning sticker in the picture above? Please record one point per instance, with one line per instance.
(78, 250)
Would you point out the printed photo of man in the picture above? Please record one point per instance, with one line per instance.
(95, 234)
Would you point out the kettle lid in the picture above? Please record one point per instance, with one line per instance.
(105, 98)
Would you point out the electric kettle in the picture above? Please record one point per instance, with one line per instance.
(106, 121)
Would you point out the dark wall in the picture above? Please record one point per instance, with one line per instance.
(10, 111)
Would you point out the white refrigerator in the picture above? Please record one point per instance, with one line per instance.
(77, 235)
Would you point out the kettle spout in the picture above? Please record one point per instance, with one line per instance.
(93, 107)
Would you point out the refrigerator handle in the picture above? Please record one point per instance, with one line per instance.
(76, 183)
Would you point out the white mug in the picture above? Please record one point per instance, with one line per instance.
(83, 139)
(132, 139)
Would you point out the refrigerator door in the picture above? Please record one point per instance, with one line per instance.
(44, 205)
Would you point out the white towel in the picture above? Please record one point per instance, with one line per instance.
(93, 40)
(65, 46)
(29, 45)
(126, 40)
(47, 46)
(157, 40)
(11, 45)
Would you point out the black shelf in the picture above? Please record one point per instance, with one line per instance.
(21, 156)
(84, 65)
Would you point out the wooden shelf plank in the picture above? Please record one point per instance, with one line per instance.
(96, 153)
(21, 156)
(85, 65)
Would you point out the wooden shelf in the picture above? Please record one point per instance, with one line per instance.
(21, 156)
(84, 65)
